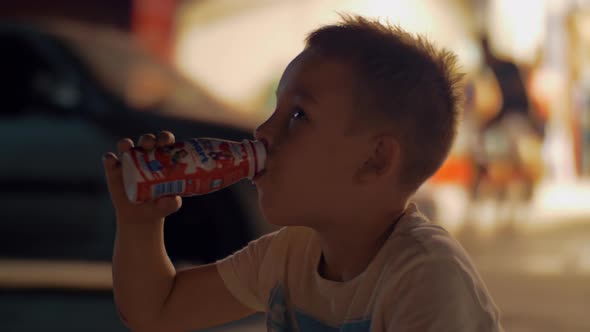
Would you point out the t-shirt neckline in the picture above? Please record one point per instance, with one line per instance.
(339, 285)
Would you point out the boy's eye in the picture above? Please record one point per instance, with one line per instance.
(298, 113)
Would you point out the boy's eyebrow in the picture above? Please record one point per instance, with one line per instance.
(300, 92)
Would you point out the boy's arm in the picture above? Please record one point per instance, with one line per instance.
(152, 296)
(201, 287)
(149, 293)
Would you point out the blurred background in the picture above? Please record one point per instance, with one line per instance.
(79, 75)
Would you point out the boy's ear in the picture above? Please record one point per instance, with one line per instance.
(382, 160)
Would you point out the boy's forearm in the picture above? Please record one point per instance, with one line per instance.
(143, 274)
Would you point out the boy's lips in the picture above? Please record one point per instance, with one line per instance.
(265, 142)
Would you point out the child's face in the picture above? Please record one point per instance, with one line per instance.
(312, 162)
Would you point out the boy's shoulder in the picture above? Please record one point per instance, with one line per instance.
(416, 231)
(417, 241)
(292, 234)
(289, 239)
(421, 245)
(425, 262)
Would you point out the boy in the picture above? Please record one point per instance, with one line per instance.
(365, 114)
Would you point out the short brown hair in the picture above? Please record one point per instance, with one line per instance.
(403, 78)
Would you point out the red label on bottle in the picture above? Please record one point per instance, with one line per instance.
(192, 167)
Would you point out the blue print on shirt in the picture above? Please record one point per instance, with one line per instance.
(280, 318)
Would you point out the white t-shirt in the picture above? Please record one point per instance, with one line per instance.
(420, 280)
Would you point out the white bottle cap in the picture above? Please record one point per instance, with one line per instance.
(256, 155)
(260, 150)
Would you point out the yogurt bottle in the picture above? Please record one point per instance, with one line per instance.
(196, 166)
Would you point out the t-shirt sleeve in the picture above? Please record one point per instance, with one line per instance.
(437, 294)
(240, 271)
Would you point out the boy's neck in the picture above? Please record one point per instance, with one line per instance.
(347, 251)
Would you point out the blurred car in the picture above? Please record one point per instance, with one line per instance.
(70, 91)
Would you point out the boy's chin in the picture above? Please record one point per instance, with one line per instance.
(280, 219)
(280, 222)
(279, 213)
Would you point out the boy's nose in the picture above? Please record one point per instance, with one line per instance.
(258, 135)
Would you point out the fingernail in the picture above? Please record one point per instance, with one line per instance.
(106, 156)
(150, 137)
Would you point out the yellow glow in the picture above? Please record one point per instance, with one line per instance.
(558, 203)
(517, 27)
(238, 56)
(441, 21)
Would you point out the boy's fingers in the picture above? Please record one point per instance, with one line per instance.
(147, 141)
(165, 138)
(124, 145)
(114, 176)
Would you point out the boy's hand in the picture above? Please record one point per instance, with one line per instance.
(127, 211)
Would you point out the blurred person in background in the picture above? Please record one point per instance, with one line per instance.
(508, 149)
